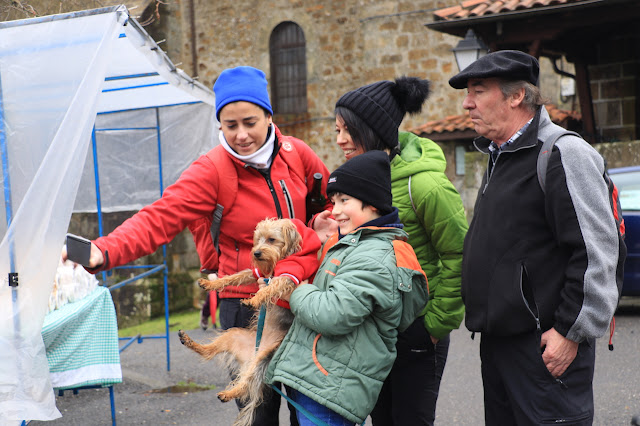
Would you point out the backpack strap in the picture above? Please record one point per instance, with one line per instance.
(545, 153)
(226, 191)
(292, 158)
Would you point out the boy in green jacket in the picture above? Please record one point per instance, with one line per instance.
(342, 343)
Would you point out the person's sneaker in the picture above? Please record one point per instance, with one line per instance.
(204, 321)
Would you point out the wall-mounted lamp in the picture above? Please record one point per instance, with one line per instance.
(469, 49)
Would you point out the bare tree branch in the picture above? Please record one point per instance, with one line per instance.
(150, 18)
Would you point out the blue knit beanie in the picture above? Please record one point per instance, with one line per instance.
(241, 84)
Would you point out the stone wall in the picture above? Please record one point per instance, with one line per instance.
(620, 154)
(349, 43)
(615, 89)
(142, 300)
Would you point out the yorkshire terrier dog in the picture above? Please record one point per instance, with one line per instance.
(273, 240)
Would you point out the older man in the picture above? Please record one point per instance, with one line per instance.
(539, 271)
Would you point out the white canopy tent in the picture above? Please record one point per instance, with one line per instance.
(65, 81)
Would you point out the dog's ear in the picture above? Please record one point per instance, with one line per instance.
(292, 238)
(262, 228)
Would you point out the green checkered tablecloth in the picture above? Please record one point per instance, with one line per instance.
(81, 340)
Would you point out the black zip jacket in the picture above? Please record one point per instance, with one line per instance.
(532, 261)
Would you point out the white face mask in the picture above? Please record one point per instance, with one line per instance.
(261, 159)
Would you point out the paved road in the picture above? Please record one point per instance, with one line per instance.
(142, 397)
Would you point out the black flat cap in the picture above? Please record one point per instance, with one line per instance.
(507, 64)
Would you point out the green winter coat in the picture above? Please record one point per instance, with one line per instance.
(342, 343)
(433, 216)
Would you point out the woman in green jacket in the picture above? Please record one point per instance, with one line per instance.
(432, 213)
(342, 343)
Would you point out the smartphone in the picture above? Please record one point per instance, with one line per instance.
(78, 249)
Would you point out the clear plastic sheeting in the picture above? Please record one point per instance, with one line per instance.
(48, 112)
(127, 152)
(56, 74)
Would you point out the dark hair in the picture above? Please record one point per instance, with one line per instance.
(362, 135)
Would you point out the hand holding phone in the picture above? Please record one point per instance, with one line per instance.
(78, 249)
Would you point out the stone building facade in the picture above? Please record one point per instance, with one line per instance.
(615, 88)
(347, 44)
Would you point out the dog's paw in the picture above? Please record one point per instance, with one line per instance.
(184, 339)
(204, 284)
(224, 396)
(251, 302)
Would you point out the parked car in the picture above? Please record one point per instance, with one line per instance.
(627, 180)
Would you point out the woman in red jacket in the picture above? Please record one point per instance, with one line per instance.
(274, 175)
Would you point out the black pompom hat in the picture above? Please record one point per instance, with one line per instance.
(383, 105)
(366, 177)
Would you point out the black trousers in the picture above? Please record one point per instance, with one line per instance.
(235, 314)
(410, 392)
(519, 390)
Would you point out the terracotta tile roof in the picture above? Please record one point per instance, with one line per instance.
(475, 8)
(462, 123)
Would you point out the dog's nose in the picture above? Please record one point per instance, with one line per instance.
(257, 254)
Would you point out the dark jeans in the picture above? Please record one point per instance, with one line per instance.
(410, 392)
(519, 390)
(235, 314)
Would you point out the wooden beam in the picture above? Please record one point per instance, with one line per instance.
(586, 103)
(534, 48)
